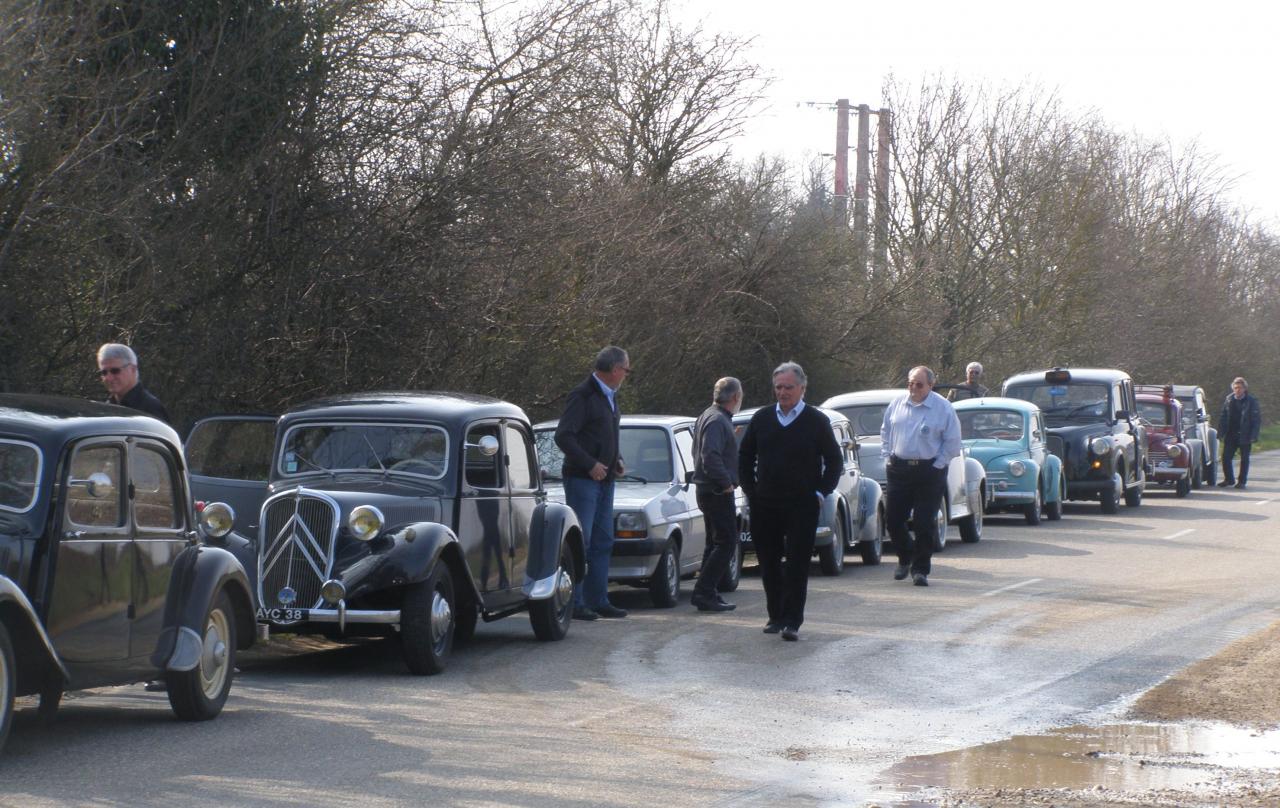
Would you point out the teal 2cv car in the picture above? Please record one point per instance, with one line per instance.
(1008, 436)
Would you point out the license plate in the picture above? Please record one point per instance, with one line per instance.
(282, 616)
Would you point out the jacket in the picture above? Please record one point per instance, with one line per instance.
(715, 450)
(1250, 418)
(588, 431)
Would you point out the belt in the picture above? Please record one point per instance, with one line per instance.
(894, 460)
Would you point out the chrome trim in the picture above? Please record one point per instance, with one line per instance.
(542, 588)
(343, 616)
(310, 548)
(187, 650)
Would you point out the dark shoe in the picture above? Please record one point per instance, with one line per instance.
(716, 605)
(1226, 483)
(610, 611)
(584, 613)
(790, 634)
(772, 628)
(901, 571)
(1238, 485)
(920, 579)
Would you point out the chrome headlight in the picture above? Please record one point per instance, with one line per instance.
(1017, 468)
(1175, 450)
(217, 519)
(630, 524)
(365, 522)
(1100, 446)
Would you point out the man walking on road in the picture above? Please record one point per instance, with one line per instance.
(919, 437)
(715, 477)
(588, 435)
(1240, 421)
(788, 462)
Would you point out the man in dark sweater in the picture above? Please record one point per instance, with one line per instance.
(118, 367)
(1240, 422)
(715, 477)
(788, 463)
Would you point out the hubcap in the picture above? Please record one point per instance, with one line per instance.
(673, 570)
(564, 592)
(441, 619)
(213, 656)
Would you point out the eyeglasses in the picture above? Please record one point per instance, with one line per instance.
(104, 372)
(916, 384)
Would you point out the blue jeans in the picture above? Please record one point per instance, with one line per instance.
(593, 504)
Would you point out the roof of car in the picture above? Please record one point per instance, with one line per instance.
(441, 407)
(1106, 375)
(863, 397)
(52, 420)
(635, 420)
(996, 403)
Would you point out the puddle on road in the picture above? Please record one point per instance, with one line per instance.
(1121, 757)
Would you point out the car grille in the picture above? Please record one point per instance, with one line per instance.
(298, 533)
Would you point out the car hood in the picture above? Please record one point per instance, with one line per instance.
(987, 450)
(1079, 432)
(626, 495)
(399, 503)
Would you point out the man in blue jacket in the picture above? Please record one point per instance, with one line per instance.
(1239, 423)
(588, 435)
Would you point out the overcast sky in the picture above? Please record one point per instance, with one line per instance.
(1204, 72)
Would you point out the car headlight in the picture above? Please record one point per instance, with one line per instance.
(1175, 450)
(1017, 468)
(630, 525)
(217, 519)
(1100, 446)
(365, 522)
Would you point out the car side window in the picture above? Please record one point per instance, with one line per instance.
(520, 465)
(155, 500)
(482, 471)
(684, 442)
(94, 492)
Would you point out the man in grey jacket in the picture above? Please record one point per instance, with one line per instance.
(715, 477)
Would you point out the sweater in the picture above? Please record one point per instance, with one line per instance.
(794, 462)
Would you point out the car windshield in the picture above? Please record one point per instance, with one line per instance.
(19, 475)
(645, 450)
(864, 420)
(1154, 412)
(401, 448)
(990, 425)
(1064, 403)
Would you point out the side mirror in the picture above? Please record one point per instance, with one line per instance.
(488, 445)
(98, 486)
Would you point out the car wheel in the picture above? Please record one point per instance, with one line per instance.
(872, 551)
(1182, 487)
(729, 581)
(664, 586)
(1133, 495)
(943, 523)
(831, 557)
(1053, 510)
(1110, 497)
(427, 622)
(8, 684)
(550, 618)
(1033, 510)
(971, 526)
(198, 694)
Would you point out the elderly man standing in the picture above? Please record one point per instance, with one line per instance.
(118, 367)
(588, 435)
(788, 463)
(973, 384)
(715, 477)
(919, 437)
(1240, 422)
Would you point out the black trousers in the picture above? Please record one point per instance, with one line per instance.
(778, 529)
(720, 516)
(1229, 446)
(914, 490)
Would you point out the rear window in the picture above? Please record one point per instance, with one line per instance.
(232, 450)
(19, 475)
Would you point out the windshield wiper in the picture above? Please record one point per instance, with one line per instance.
(375, 454)
(313, 464)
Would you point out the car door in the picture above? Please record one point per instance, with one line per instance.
(229, 460)
(88, 611)
(484, 514)
(160, 535)
(692, 523)
(522, 485)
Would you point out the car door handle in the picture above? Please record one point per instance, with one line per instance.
(73, 534)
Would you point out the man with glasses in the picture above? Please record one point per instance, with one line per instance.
(588, 435)
(118, 367)
(919, 437)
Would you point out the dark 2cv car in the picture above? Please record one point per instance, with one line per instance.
(409, 513)
(104, 576)
(1094, 429)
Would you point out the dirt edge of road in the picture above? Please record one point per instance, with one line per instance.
(1240, 685)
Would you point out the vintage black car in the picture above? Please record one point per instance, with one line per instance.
(415, 513)
(105, 577)
(1094, 428)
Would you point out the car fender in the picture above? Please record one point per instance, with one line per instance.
(553, 524)
(199, 574)
(245, 551)
(868, 505)
(1212, 446)
(1052, 478)
(827, 516)
(403, 555)
(19, 616)
(975, 475)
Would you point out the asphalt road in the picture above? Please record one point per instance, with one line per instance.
(1032, 628)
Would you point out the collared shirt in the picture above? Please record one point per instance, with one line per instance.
(786, 420)
(609, 392)
(924, 431)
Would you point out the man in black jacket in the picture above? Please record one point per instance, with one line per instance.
(118, 367)
(1239, 423)
(715, 477)
(788, 463)
(588, 435)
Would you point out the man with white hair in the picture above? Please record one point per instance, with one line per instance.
(973, 385)
(715, 476)
(118, 367)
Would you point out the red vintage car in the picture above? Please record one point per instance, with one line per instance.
(1167, 449)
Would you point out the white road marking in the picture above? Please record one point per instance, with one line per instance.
(1181, 533)
(1263, 501)
(1012, 586)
